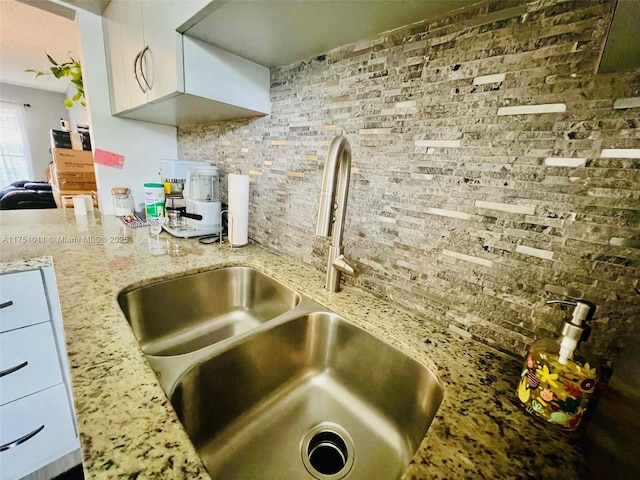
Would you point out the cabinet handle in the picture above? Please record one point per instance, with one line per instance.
(9, 371)
(21, 440)
(144, 77)
(6, 304)
(135, 71)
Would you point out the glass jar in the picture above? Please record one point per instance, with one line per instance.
(122, 201)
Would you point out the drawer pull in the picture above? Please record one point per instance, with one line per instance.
(9, 371)
(6, 304)
(21, 440)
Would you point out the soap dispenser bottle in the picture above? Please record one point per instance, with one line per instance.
(559, 375)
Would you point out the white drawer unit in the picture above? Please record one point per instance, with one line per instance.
(37, 424)
(28, 362)
(23, 300)
(34, 431)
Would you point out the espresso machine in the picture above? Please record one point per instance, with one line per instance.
(193, 198)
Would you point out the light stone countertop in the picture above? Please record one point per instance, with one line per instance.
(128, 428)
(23, 265)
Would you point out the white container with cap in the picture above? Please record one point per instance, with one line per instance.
(154, 200)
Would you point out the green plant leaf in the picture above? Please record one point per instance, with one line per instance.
(57, 72)
(71, 69)
(37, 72)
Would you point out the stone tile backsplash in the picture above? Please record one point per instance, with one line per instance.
(491, 171)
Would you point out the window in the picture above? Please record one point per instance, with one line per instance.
(15, 163)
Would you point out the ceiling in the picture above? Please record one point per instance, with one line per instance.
(30, 29)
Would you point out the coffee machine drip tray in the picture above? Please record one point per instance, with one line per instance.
(186, 231)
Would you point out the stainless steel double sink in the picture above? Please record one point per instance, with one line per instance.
(271, 385)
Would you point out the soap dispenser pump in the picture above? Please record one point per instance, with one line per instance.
(559, 375)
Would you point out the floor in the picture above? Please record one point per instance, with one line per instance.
(76, 473)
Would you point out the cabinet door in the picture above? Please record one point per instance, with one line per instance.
(35, 431)
(115, 61)
(162, 63)
(162, 60)
(23, 300)
(125, 43)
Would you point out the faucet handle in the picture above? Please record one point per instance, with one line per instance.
(342, 264)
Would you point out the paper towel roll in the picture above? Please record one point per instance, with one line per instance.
(238, 199)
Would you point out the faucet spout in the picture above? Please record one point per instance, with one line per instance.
(333, 208)
(336, 176)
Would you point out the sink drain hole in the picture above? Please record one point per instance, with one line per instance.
(327, 451)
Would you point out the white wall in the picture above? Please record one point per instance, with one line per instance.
(142, 144)
(44, 114)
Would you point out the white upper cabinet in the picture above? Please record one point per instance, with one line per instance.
(149, 62)
(160, 60)
(125, 41)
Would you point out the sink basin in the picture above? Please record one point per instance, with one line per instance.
(312, 397)
(185, 314)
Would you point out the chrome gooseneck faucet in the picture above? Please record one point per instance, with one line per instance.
(333, 197)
